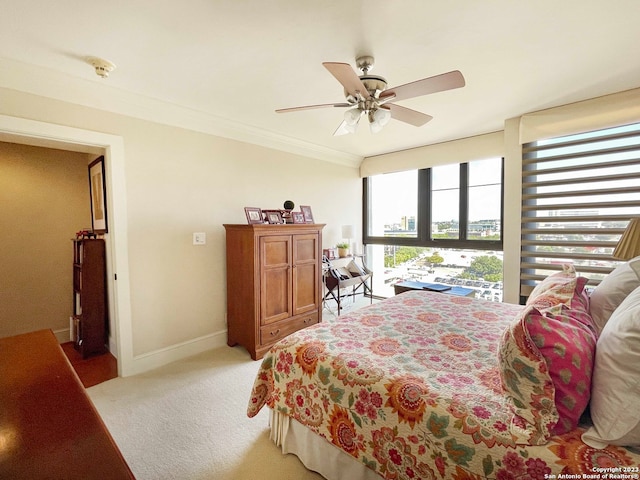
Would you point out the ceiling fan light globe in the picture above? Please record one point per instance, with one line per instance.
(351, 128)
(352, 116)
(381, 116)
(375, 127)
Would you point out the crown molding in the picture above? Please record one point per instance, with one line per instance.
(27, 78)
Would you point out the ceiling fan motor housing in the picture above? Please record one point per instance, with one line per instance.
(374, 85)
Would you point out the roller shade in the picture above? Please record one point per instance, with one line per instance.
(595, 114)
(464, 150)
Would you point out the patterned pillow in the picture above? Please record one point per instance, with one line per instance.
(527, 383)
(546, 361)
(555, 290)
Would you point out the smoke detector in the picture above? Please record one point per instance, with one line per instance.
(103, 67)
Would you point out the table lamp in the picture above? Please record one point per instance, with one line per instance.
(629, 244)
(348, 233)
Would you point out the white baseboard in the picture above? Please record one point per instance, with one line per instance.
(158, 358)
(62, 335)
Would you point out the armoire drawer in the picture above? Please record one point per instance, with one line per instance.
(275, 331)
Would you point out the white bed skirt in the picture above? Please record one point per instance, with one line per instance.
(314, 451)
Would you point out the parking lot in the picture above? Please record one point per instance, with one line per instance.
(447, 273)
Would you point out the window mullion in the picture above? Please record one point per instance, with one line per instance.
(464, 201)
(424, 205)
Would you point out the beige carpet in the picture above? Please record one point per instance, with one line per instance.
(187, 421)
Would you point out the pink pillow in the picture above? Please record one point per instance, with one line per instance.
(567, 341)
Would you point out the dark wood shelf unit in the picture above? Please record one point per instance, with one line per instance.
(90, 297)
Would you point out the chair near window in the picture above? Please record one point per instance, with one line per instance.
(343, 283)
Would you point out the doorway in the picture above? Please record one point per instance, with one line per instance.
(31, 132)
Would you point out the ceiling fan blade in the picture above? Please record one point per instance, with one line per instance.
(310, 107)
(407, 115)
(348, 78)
(426, 86)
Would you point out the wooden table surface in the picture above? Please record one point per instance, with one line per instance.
(49, 428)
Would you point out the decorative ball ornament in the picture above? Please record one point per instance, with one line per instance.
(289, 205)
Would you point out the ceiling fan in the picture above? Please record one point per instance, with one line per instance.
(368, 95)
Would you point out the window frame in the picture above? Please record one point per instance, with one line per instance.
(424, 235)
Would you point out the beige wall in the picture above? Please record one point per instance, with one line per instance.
(179, 182)
(44, 199)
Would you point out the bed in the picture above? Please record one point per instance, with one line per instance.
(427, 385)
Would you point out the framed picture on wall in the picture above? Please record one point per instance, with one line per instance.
(98, 194)
(306, 211)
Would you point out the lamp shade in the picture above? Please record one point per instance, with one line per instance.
(348, 231)
(629, 244)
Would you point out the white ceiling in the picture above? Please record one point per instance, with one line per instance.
(236, 61)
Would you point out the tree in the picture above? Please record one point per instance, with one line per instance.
(487, 267)
(435, 258)
(401, 255)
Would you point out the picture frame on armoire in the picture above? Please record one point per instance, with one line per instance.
(306, 211)
(274, 217)
(254, 215)
(98, 195)
(298, 217)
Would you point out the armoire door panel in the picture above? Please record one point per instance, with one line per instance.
(305, 273)
(276, 251)
(305, 248)
(275, 295)
(305, 288)
(275, 278)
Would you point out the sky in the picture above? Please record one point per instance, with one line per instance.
(399, 193)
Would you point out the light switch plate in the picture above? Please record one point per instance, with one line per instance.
(199, 238)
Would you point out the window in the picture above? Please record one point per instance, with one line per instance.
(436, 225)
(445, 202)
(450, 206)
(394, 213)
(485, 200)
(578, 194)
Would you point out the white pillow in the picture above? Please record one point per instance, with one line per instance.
(613, 289)
(615, 386)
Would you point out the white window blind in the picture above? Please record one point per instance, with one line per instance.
(578, 194)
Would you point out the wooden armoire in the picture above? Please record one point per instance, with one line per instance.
(273, 282)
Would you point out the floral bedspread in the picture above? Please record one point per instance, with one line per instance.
(410, 387)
